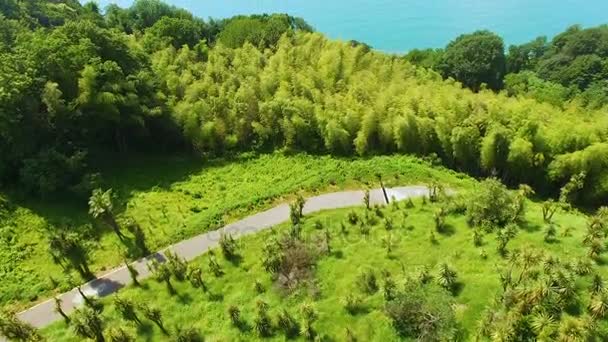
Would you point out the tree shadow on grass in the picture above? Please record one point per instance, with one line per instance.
(530, 227)
(457, 289)
(145, 331)
(447, 230)
(216, 296)
(338, 254)
(235, 260)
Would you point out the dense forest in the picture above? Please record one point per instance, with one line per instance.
(573, 66)
(80, 84)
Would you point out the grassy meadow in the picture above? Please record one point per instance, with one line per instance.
(338, 271)
(173, 198)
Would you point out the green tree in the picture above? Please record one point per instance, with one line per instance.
(13, 328)
(87, 323)
(475, 59)
(101, 207)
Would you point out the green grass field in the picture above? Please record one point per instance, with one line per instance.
(336, 274)
(174, 198)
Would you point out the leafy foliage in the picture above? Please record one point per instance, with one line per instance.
(423, 313)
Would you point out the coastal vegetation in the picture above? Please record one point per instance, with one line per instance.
(124, 130)
(450, 268)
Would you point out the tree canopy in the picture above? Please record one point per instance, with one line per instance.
(153, 77)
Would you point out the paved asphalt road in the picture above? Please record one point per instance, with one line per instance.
(44, 313)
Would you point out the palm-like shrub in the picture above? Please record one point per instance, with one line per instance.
(262, 322)
(598, 307)
(127, 309)
(154, 315)
(235, 315)
(13, 328)
(597, 285)
(118, 334)
(477, 237)
(544, 326)
(425, 276)
(309, 316)
(102, 208)
(367, 281)
(595, 249)
(572, 330)
(87, 323)
(188, 335)
(550, 233)
(195, 275)
(439, 219)
(353, 218)
(162, 274)
(177, 266)
(228, 246)
(582, 267)
(214, 266)
(447, 278)
(288, 324)
(353, 304)
(389, 288)
(549, 209)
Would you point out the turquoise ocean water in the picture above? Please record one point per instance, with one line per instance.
(401, 25)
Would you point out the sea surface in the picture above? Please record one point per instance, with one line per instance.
(401, 25)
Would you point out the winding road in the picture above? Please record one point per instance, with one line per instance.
(44, 313)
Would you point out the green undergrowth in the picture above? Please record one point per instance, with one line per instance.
(338, 272)
(173, 198)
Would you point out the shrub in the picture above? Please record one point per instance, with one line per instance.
(366, 199)
(388, 224)
(378, 211)
(13, 328)
(364, 228)
(259, 287)
(550, 233)
(367, 281)
(439, 218)
(309, 316)
(177, 266)
(228, 246)
(214, 266)
(436, 192)
(353, 304)
(318, 224)
(477, 237)
(422, 313)
(389, 288)
(263, 323)
(288, 324)
(447, 278)
(549, 209)
(126, 309)
(290, 261)
(343, 228)
(188, 335)
(235, 315)
(425, 276)
(353, 218)
(118, 334)
(195, 275)
(492, 205)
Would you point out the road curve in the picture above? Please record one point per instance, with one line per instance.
(44, 313)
